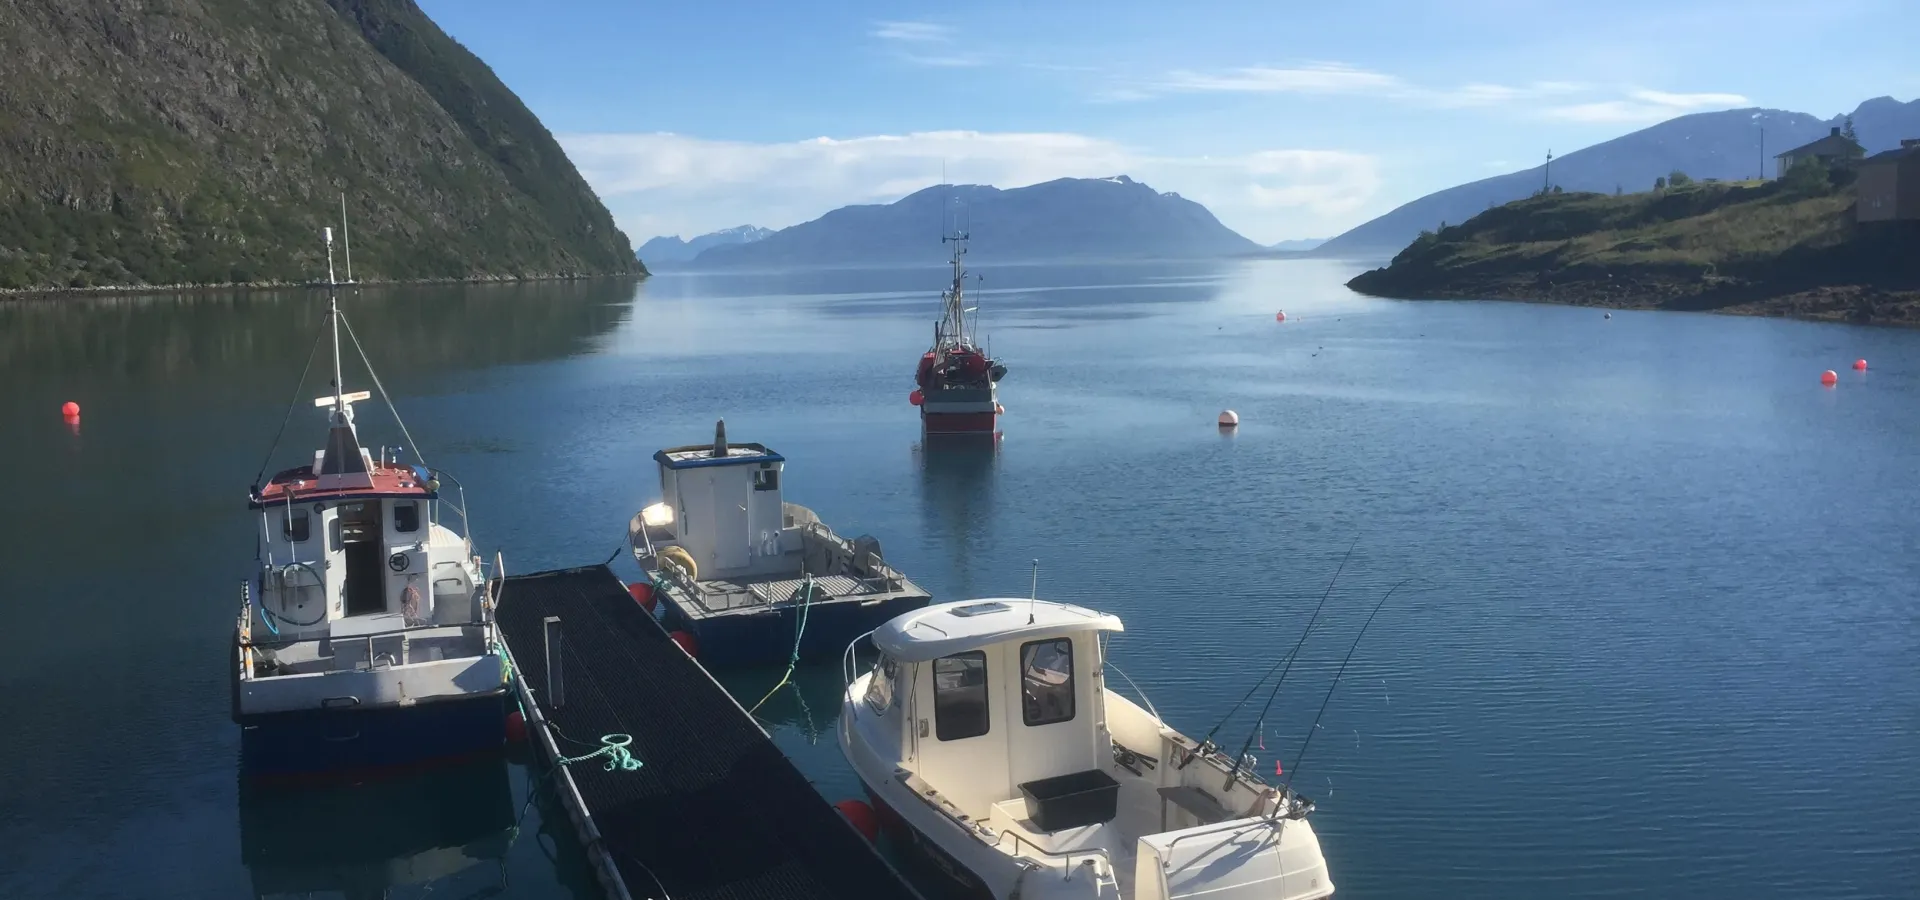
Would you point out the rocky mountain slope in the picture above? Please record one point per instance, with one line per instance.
(207, 141)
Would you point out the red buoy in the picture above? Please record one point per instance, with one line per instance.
(861, 817)
(1280, 317)
(71, 409)
(516, 727)
(1829, 378)
(687, 643)
(916, 398)
(642, 593)
(1859, 365)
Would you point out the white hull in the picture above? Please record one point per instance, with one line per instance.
(1251, 857)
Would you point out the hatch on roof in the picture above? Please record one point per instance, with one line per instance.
(951, 628)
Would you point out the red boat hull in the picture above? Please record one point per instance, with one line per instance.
(957, 423)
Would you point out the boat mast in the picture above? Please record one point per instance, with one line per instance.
(339, 416)
(346, 240)
(954, 322)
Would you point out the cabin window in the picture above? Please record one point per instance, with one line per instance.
(406, 517)
(1046, 681)
(960, 696)
(295, 527)
(880, 686)
(766, 479)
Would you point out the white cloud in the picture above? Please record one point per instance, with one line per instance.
(674, 184)
(1645, 106)
(921, 32)
(1316, 78)
(924, 44)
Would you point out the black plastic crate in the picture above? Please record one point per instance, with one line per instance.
(1070, 801)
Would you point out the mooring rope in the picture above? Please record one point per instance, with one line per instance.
(614, 747)
(799, 631)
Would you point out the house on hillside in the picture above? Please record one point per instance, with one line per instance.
(1834, 148)
(1889, 185)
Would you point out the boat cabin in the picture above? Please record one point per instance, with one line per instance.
(988, 696)
(355, 538)
(722, 507)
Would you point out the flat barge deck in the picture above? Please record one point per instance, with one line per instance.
(715, 811)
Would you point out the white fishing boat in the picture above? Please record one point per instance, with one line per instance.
(366, 638)
(986, 736)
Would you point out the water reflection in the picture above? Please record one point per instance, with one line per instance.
(443, 833)
(957, 487)
(403, 328)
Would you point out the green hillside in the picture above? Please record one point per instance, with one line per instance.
(1784, 247)
(207, 141)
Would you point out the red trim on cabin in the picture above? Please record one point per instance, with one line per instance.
(388, 480)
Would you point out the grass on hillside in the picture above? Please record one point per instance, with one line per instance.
(1699, 227)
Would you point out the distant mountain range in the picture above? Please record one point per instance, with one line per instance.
(1297, 245)
(1070, 218)
(1721, 145)
(670, 250)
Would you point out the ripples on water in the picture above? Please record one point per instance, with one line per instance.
(1660, 637)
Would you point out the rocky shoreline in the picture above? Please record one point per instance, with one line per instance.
(1856, 303)
(7, 294)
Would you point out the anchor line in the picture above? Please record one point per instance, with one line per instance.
(1286, 661)
(799, 631)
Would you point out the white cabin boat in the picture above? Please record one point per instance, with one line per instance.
(986, 735)
(749, 577)
(366, 639)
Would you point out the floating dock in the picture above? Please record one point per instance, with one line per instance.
(716, 811)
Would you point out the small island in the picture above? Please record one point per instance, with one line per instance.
(1792, 246)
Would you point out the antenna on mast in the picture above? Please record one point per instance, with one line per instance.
(1033, 592)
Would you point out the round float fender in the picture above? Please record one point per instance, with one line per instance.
(861, 817)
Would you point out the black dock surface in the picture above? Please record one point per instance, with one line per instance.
(716, 812)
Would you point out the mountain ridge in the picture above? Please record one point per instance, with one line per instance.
(1724, 145)
(1062, 219)
(672, 249)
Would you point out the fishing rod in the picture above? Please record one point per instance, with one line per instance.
(1287, 786)
(1286, 660)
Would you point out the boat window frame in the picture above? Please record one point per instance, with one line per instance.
(296, 526)
(881, 686)
(411, 506)
(943, 712)
(1028, 704)
(767, 479)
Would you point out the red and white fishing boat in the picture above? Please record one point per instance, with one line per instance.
(957, 383)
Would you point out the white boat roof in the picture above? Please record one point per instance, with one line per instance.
(948, 628)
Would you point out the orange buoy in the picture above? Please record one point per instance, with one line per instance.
(1229, 419)
(1829, 378)
(1280, 316)
(516, 727)
(916, 398)
(71, 409)
(642, 593)
(861, 817)
(687, 643)
(1859, 365)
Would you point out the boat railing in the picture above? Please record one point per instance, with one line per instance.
(1136, 689)
(1065, 856)
(850, 660)
(458, 504)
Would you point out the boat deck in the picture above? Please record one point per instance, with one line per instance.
(716, 812)
(746, 596)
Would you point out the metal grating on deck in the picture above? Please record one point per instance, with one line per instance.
(716, 812)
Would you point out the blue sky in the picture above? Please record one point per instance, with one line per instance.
(1286, 119)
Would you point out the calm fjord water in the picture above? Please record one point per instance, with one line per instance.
(1661, 638)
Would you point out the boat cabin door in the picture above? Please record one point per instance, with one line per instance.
(960, 728)
(358, 534)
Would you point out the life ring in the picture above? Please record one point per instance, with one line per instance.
(680, 557)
